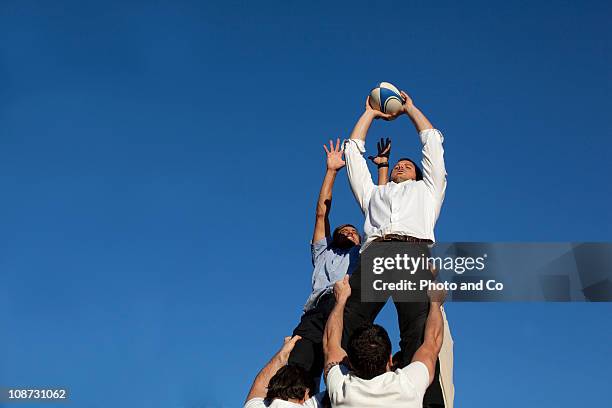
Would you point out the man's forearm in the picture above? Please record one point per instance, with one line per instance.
(383, 175)
(434, 327)
(332, 337)
(360, 131)
(419, 120)
(325, 194)
(258, 389)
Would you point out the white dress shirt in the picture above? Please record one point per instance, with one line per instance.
(407, 208)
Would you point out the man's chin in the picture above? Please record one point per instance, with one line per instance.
(400, 179)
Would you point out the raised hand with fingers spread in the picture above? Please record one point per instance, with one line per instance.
(334, 155)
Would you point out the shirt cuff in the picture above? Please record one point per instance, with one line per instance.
(349, 143)
(426, 134)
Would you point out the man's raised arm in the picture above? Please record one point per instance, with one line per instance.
(434, 170)
(434, 334)
(258, 389)
(354, 148)
(333, 352)
(334, 163)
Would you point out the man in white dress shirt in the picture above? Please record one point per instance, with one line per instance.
(370, 380)
(403, 210)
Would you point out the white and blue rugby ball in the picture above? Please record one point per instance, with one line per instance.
(386, 98)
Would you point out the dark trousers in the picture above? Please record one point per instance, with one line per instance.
(411, 317)
(308, 352)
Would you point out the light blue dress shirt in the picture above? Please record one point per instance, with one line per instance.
(330, 265)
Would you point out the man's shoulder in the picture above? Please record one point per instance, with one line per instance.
(336, 375)
(319, 247)
(417, 374)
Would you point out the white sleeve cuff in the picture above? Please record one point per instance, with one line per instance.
(426, 134)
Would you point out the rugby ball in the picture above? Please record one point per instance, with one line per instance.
(386, 98)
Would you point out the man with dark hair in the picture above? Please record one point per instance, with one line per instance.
(370, 381)
(405, 210)
(368, 349)
(410, 204)
(287, 386)
(333, 256)
(291, 382)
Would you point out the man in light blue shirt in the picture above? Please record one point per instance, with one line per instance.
(333, 256)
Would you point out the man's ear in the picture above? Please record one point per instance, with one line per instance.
(306, 397)
(390, 363)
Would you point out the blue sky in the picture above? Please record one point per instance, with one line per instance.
(160, 161)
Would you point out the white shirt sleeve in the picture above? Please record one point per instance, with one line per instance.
(255, 403)
(335, 383)
(434, 170)
(359, 175)
(418, 374)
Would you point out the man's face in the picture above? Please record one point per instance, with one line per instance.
(403, 170)
(347, 237)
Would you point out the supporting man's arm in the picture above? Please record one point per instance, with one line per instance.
(434, 334)
(258, 389)
(334, 163)
(333, 352)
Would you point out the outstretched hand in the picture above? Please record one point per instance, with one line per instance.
(384, 151)
(334, 155)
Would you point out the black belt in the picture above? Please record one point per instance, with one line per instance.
(403, 238)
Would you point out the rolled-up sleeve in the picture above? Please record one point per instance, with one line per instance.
(359, 175)
(434, 170)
